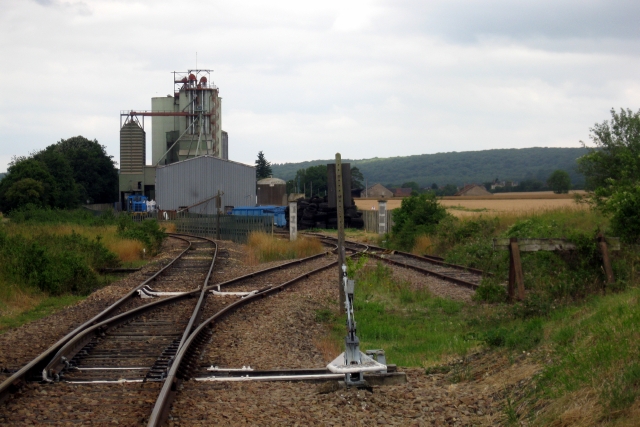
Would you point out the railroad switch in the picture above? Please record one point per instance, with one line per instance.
(353, 363)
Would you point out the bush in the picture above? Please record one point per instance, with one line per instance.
(416, 216)
(559, 182)
(148, 232)
(54, 264)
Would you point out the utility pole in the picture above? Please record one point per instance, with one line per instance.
(340, 211)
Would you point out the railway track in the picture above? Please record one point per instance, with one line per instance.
(111, 369)
(433, 266)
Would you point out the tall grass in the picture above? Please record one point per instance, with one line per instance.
(262, 247)
(127, 250)
(49, 256)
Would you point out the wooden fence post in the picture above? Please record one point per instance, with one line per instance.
(606, 262)
(516, 277)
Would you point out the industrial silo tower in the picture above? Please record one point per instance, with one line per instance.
(188, 123)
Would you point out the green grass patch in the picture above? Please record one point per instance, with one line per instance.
(597, 346)
(412, 326)
(46, 307)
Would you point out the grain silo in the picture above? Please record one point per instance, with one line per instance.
(272, 192)
(132, 157)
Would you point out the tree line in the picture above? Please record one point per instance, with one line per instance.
(64, 175)
(525, 164)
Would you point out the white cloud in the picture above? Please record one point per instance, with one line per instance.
(304, 80)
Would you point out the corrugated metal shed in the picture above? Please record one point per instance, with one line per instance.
(272, 191)
(191, 181)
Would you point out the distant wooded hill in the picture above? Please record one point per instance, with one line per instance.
(458, 168)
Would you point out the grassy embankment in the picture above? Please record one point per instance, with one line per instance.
(582, 334)
(51, 259)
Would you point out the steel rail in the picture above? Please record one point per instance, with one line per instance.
(268, 270)
(13, 383)
(75, 344)
(442, 276)
(427, 258)
(169, 388)
(422, 270)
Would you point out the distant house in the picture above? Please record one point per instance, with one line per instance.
(473, 190)
(402, 192)
(377, 190)
(501, 184)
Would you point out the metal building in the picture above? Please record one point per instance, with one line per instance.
(185, 125)
(194, 184)
(272, 192)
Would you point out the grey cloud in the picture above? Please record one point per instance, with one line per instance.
(468, 21)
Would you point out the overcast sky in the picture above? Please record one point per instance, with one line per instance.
(304, 80)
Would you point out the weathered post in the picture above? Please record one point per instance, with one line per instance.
(293, 221)
(382, 213)
(606, 262)
(340, 211)
(218, 207)
(516, 276)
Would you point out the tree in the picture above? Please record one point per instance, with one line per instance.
(612, 171)
(559, 182)
(412, 185)
(357, 179)
(434, 186)
(22, 169)
(67, 193)
(25, 191)
(263, 167)
(94, 171)
(417, 215)
(447, 190)
(315, 179)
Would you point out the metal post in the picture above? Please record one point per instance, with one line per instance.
(293, 221)
(340, 211)
(382, 214)
(218, 206)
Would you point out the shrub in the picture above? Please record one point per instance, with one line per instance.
(416, 216)
(54, 264)
(148, 232)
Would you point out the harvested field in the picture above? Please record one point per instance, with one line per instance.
(512, 203)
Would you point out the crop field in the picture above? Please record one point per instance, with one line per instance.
(513, 203)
